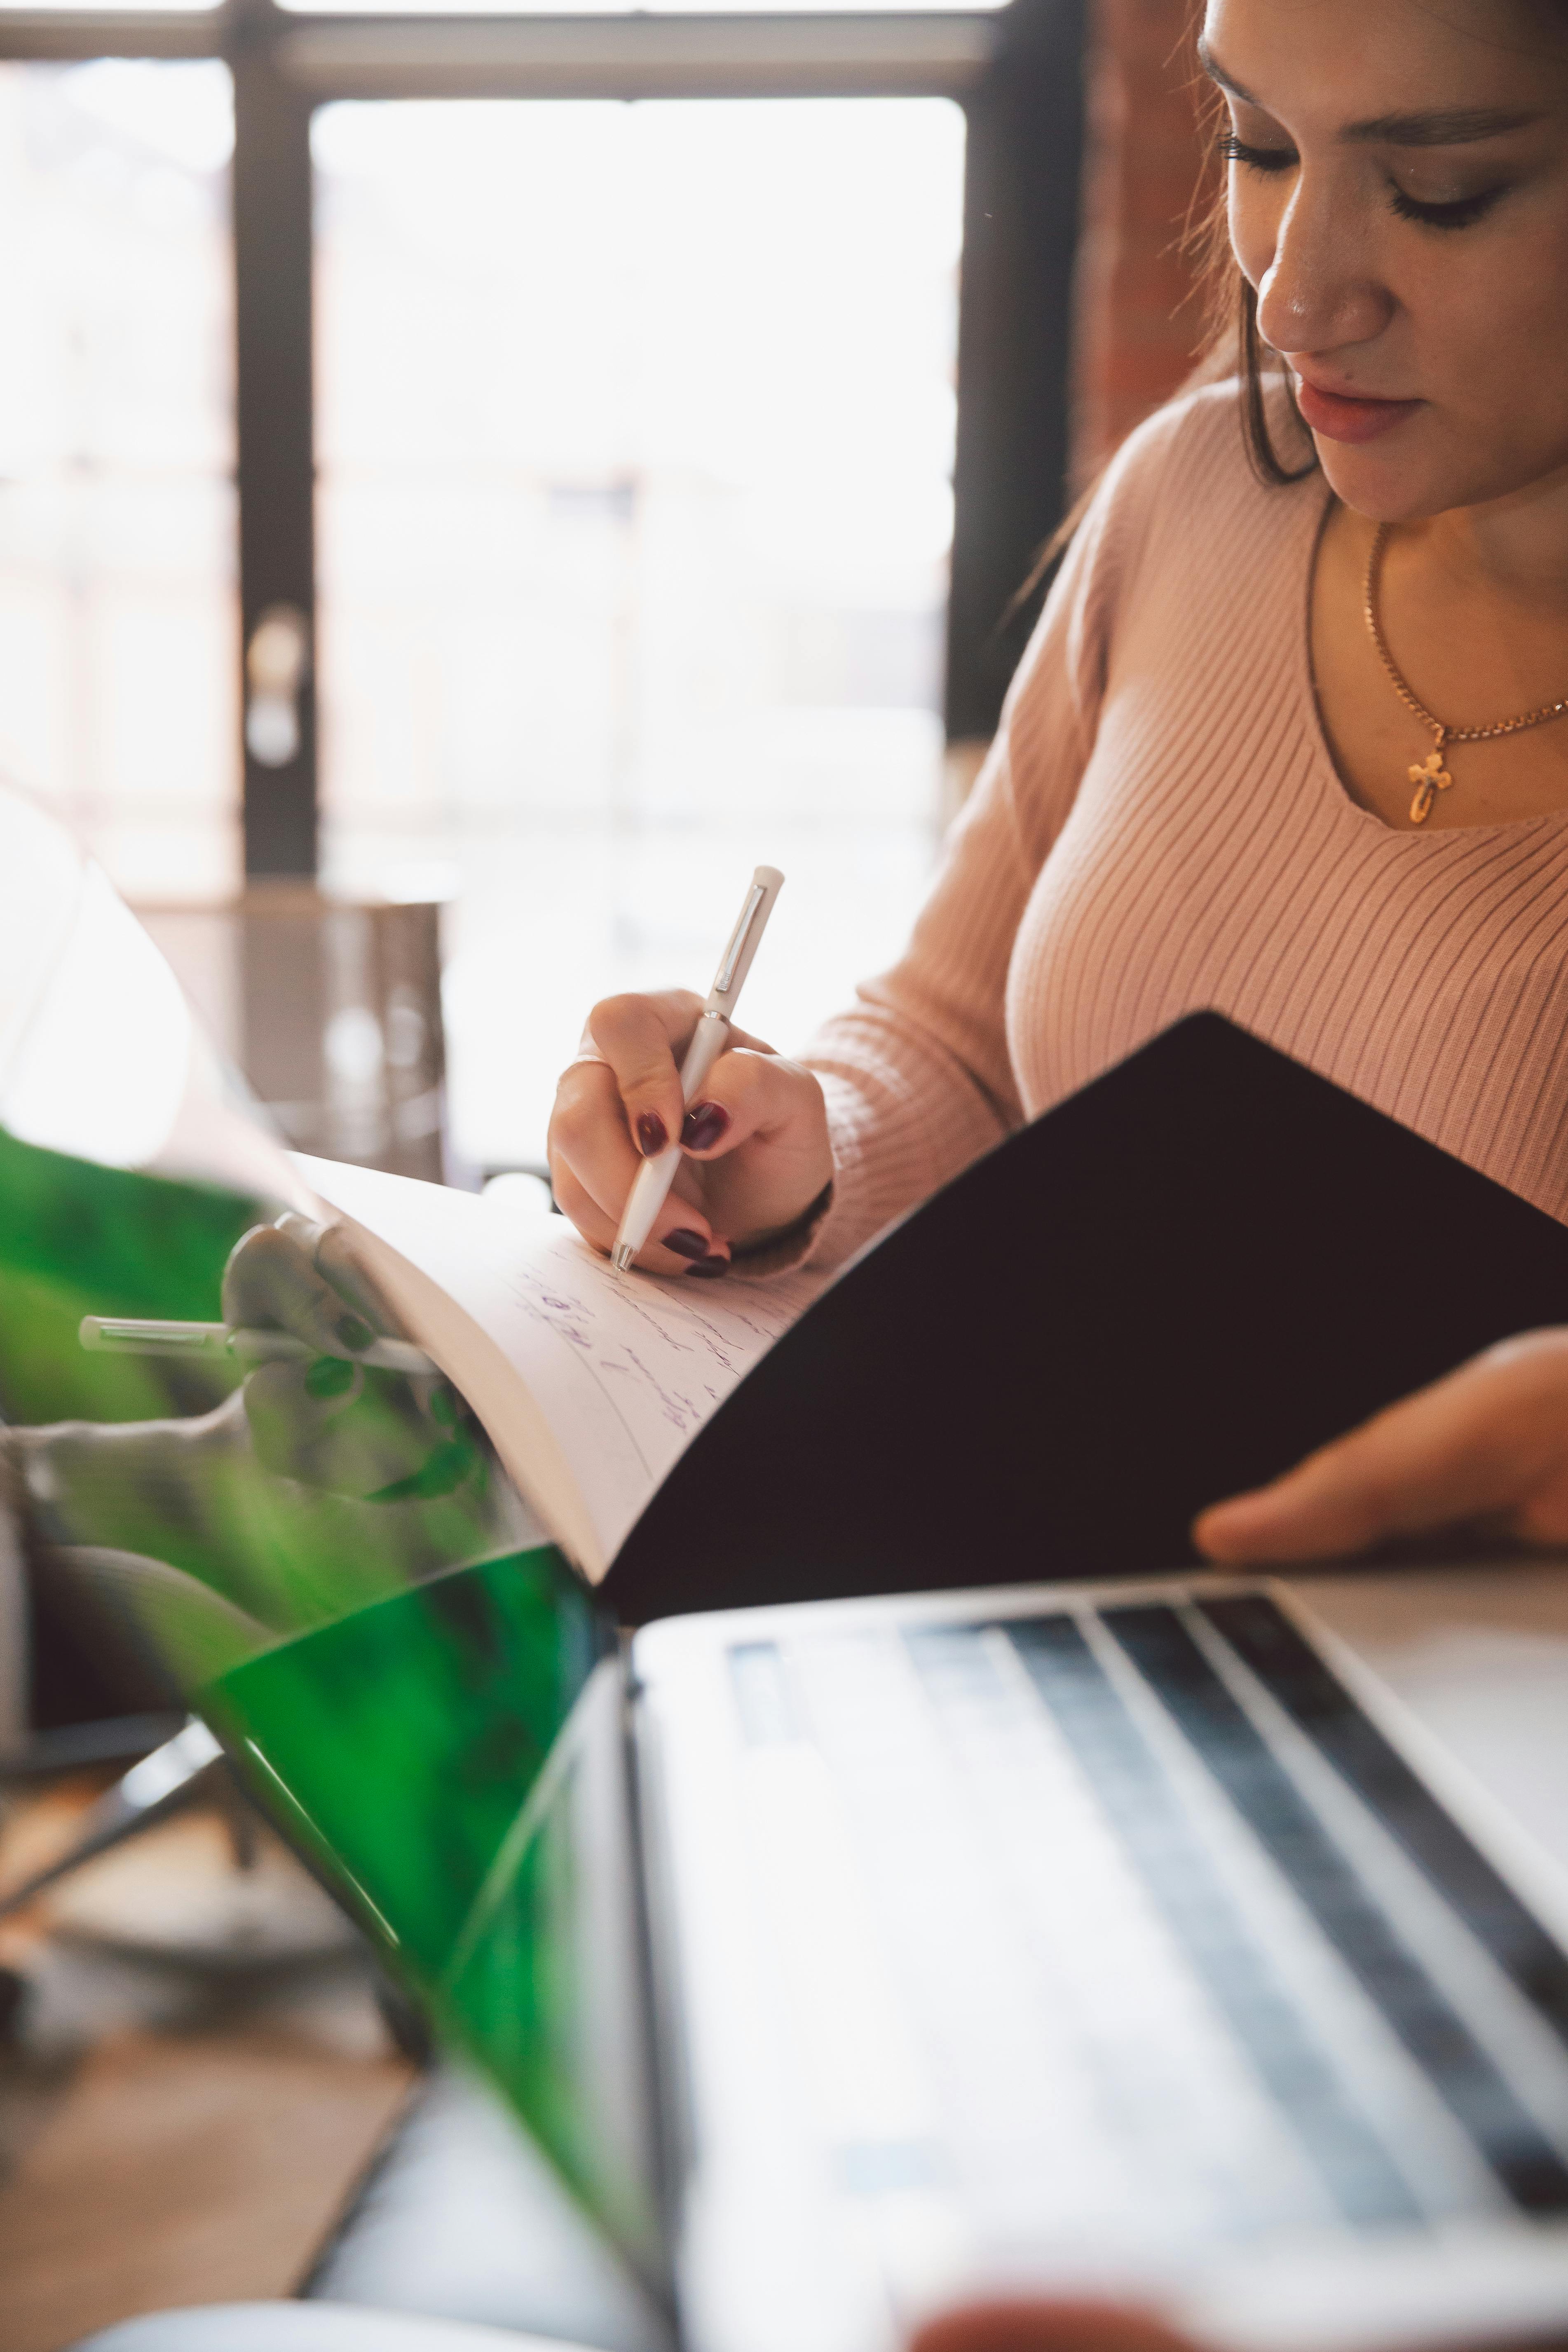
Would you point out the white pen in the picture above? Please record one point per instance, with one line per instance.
(123, 1335)
(655, 1177)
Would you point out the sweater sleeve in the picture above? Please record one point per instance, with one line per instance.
(917, 1072)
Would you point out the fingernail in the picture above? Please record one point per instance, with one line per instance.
(354, 1333)
(684, 1243)
(710, 1268)
(652, 1134)
(329, 1376)
(704, 1123)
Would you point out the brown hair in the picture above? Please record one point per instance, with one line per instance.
(1231, 344)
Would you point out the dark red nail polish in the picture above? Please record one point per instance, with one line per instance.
(710, 1268)
(684, 1243)
(705, 1123)
(354, 1333)
(652, 1134)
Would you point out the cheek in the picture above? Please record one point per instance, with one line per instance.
(1498, 329)
(1483, 336)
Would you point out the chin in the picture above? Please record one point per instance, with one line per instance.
(1414, 473)
(1386, 485)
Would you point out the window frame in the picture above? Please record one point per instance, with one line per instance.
(1018, 72)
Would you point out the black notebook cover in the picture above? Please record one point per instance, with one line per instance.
(1169, 1288)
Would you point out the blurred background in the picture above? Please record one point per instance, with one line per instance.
(471, 487)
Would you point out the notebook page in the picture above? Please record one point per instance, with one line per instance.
(634, 1364)
(611, 1375)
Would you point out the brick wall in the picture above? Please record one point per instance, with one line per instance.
(1138, 324)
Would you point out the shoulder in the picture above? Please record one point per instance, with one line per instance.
(1180, 523)
(1179, 512)
(1190, 453)
(1160, 477)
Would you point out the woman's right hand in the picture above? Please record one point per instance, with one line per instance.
(757, 1155)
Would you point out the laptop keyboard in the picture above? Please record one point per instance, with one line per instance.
(1132, 1923)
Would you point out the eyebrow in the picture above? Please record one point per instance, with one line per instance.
(1457, 126)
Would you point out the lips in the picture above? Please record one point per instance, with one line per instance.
(1340, 417)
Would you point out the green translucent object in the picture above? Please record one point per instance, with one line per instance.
(401, 1743)
(434, 1756)
(318, 1561)
(546, 1983)
(77, 1239)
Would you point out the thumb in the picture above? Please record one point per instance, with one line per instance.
(1485, 1439)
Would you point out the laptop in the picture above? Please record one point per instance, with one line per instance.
(1128, 1939)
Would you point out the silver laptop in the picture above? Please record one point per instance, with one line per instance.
(1120, 1939)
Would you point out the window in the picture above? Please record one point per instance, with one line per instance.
(119, 618)
(636, 433)
(595, 452)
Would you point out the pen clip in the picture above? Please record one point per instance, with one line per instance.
(736, 960)
(724, 977)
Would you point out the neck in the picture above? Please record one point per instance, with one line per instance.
(1515, 547)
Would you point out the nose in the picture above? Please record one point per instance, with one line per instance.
(1319, 293)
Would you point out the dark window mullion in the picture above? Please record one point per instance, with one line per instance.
(275, 432)
(1021, 214)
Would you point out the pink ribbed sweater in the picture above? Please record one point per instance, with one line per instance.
(1160, 828)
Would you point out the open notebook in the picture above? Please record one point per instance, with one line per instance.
(1170, 1286)
(590, 1383)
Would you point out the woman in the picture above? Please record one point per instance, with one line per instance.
(1217, 782)
(1288, 747)
(1291, 738)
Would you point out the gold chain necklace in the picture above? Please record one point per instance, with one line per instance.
(1431, 777)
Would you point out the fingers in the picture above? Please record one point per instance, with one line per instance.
(624, 1104)
(1036, 2325)
(270, 1284)
(593, 1162)
(594, 1166)
(1491, 1438)
(640, 1037)
(744, 1095)
(758, 1129)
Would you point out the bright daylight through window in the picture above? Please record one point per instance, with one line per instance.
(118, 622)
(634, 429)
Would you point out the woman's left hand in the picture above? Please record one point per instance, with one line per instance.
(1487, 1447)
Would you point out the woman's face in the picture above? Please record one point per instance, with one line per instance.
(1399, 199)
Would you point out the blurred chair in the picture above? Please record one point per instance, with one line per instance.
(330, 1007)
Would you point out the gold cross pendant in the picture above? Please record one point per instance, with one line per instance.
(1429, 779)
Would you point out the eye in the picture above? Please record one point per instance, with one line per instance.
(1461, 213)
(1256, 159)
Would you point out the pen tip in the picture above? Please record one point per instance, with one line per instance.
(623, 1256)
